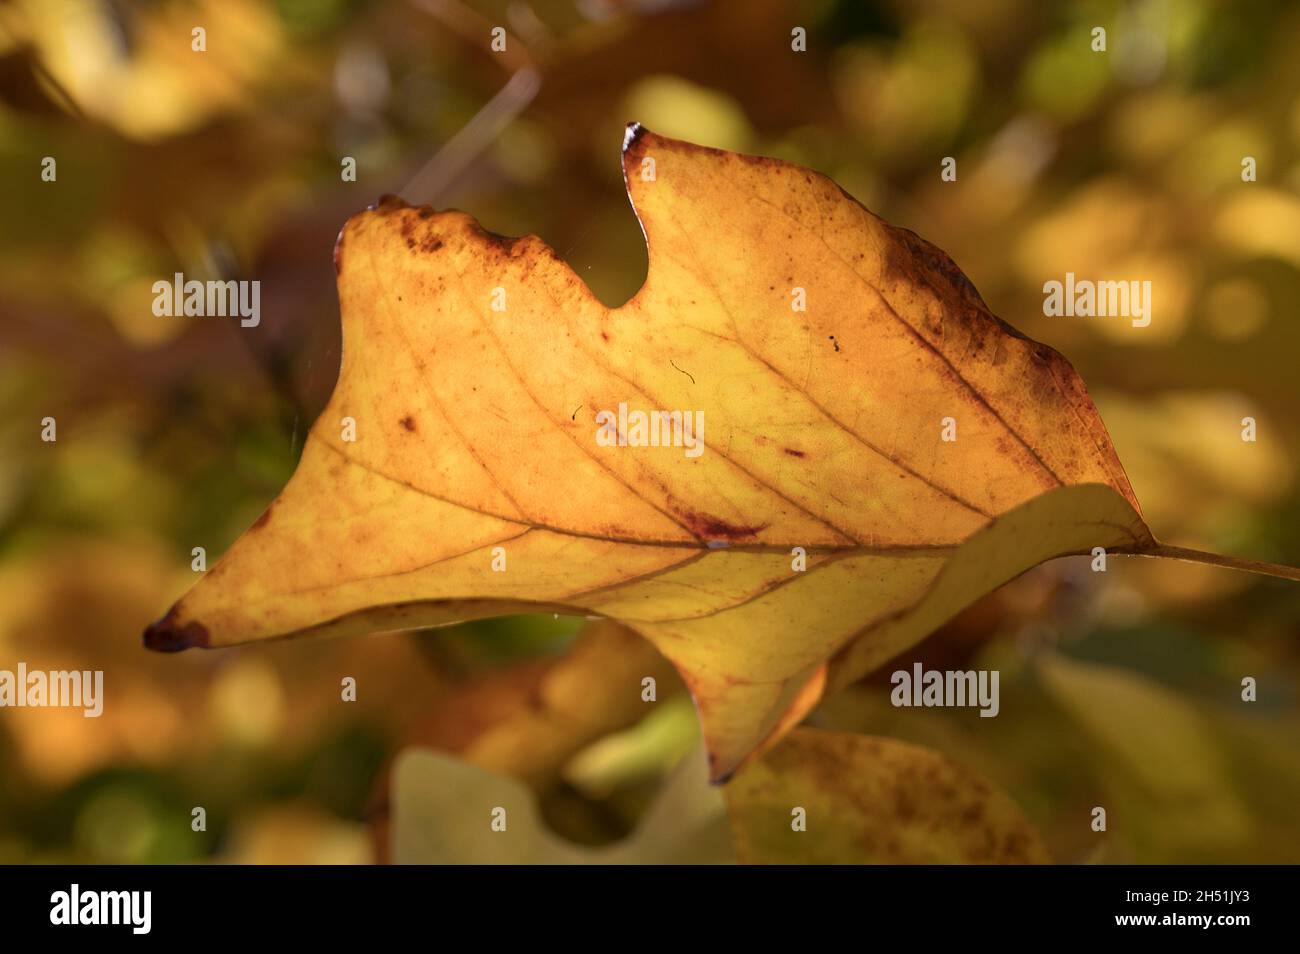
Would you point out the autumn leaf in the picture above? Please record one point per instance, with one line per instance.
(871, 449)
(838, 798)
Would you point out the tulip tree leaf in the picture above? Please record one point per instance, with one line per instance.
(870, 448)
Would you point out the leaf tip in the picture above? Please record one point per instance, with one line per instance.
(632, 134)
(166, 635)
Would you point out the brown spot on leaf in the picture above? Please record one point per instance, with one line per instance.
(714, 528)
(166, 636)
(795, 453)
(408, 422)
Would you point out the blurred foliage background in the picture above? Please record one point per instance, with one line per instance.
(1120, 689)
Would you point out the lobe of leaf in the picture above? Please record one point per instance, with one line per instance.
(823, 431)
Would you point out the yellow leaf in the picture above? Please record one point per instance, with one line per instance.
(860, 406)
(837, 798)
